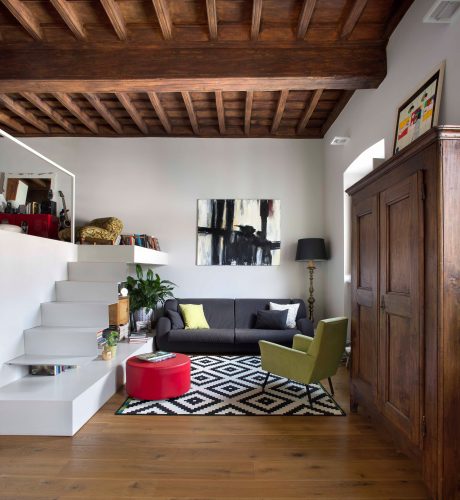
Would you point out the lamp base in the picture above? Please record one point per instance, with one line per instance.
(311, 299)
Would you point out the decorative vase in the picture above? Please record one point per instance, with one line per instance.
(144, 315)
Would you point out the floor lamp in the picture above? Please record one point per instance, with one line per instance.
(310, 250)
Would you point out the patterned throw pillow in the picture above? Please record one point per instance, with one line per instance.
(292, 312)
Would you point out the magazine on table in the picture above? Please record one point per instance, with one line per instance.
(155, 357)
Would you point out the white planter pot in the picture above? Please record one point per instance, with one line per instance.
(143, 315)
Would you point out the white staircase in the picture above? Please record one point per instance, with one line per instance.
(67, 336)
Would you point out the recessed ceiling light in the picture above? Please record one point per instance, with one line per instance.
(443, 11)
(340, 141)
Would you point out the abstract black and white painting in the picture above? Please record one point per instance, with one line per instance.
(238, 233)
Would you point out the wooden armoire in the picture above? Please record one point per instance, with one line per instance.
(406, 303)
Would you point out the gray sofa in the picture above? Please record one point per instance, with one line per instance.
(231, 327)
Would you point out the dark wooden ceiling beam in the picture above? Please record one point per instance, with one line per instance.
(212, 18)
(81, 115)
(256, 18)
(174, 70)
(162, 11)
(191, 112)
(25, 17)
(11, 123)
(400, 7)
(309, 109)
(132, 111)
(352, 18)
(45, 108)
(160, 111)
(220, 111)
(102, 109)
(116, 18)
(248, 111)
(279, 110)
(19, 110)
(305, 18)
(333, 115)
(70, 17)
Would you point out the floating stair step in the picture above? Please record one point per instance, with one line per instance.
(60, 405)
(60, 341)
(87, 291)
(121, 253)
(98, 271)
(28, 360)
(85, 314)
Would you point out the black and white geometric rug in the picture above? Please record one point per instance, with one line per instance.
(232, 385)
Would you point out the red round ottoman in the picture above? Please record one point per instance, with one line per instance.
(161, 380)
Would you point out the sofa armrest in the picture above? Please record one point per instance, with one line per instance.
(306, 327)
(302, 343)
(163, 327)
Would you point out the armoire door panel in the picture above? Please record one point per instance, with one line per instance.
(365, 295)
(401, 275)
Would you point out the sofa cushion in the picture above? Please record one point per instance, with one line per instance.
(271, 320)
(193, 315)
(246, 310)
(251, 336)
(220, 313)
(292, 310)
(214, 335)
(177, 323)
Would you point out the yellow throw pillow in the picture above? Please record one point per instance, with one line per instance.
(194, 317)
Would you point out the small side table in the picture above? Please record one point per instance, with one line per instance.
(162, 380)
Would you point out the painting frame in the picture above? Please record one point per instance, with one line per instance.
(407, 127)
(238, 232)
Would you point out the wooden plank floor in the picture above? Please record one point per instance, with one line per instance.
(210, 458)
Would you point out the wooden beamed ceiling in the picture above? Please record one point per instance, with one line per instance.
(207, 68)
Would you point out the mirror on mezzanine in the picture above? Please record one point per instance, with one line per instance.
(37, 195)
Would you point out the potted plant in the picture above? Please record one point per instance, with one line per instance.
(145, 293)
(110, 347)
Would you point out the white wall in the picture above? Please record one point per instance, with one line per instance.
(413, 51)
(153, 184)
(29, 266)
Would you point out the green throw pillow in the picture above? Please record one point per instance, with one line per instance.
(194, 317)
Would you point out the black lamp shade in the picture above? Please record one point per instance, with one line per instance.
(311, 249)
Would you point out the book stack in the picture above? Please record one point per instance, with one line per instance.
(138, 337)
(49, 370)
(141, 240)
(100, 339)
(155, 357)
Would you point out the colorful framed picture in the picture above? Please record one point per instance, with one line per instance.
(420, 112)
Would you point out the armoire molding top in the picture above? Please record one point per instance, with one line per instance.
(442, 132)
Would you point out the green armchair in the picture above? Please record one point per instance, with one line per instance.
(310, 359)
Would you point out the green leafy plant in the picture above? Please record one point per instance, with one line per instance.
(147, 292)
(111, 339)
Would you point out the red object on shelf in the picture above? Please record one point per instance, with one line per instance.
(162, 380)
(44, 225)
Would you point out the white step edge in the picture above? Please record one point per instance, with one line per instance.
(121, 253)
(30, 359)
(87, 291)
(85, 314)
(98, 271)
(60, 405)
(60, 341)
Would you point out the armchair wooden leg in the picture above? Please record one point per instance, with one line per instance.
(330, 385)
(265, 381)
(309, 395)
